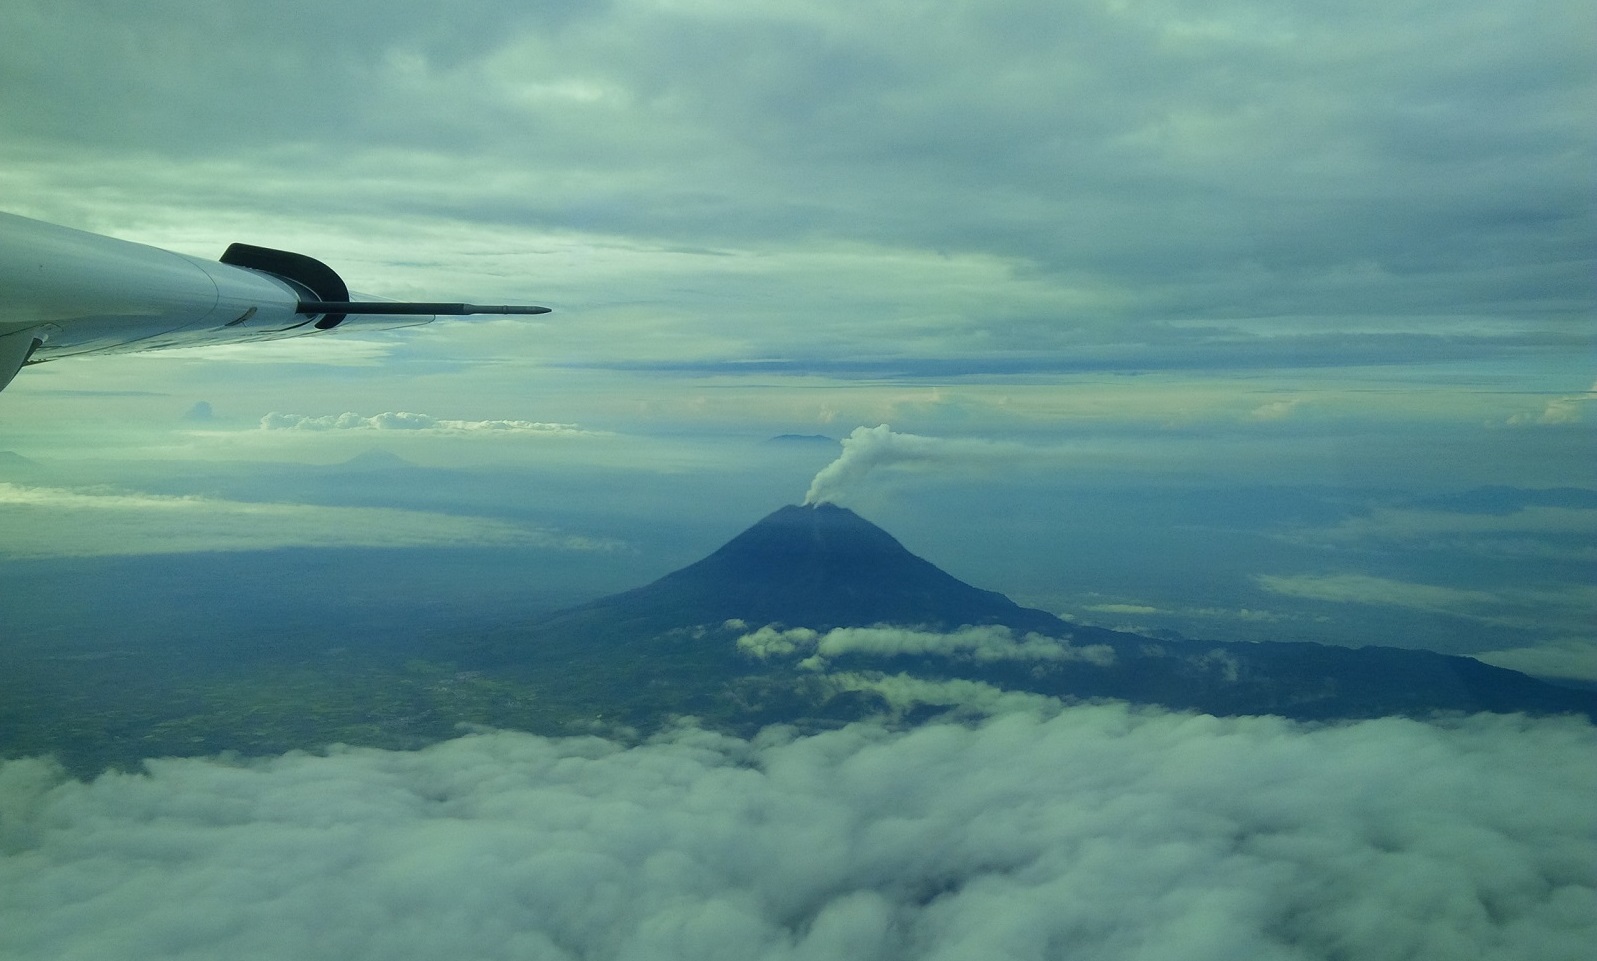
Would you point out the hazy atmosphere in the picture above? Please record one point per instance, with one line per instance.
(1246, 322)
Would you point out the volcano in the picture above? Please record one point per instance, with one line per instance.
(819, 566)
(673, 646)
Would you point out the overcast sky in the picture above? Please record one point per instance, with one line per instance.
(973, 193)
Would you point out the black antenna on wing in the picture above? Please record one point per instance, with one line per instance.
(334, 303)
(384, 307)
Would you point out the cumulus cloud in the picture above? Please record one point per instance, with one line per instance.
(405, 420)
(1094, 831)
(980, 643)
(986, 643)
(1276, 410)
(1569, 409)
(62, 522)
(772, 641)
(868, 449)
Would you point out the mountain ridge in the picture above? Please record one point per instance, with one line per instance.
(674, 644)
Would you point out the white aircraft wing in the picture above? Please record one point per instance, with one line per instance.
(67, 293)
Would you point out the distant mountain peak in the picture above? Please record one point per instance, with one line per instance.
(375, 459)
(16, 467)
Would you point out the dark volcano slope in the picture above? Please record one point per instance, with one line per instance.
(820, 567)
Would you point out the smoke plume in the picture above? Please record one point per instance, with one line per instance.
(869, 448)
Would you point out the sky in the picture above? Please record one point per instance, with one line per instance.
(1247, 321)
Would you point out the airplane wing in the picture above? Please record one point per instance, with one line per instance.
(68, 293)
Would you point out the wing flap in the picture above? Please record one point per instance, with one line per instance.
(15, 349)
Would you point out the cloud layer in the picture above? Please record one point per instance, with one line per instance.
(1096, 831)
(405, 420)
(61, 522)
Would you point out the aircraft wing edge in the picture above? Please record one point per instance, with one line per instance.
(15, 350)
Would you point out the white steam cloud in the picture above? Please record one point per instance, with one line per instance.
(868, 448)
(1096, 831)
(405, 420)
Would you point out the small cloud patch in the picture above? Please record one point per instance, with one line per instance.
(407, 420)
